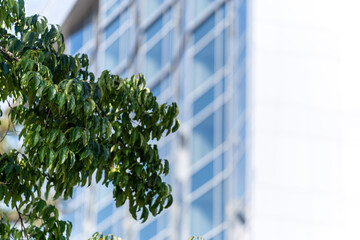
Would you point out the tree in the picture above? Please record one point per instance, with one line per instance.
(74, 126)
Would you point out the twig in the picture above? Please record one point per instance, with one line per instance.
(7, 131)
(22, 222)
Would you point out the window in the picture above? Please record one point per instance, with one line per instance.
(202, 176)
(208, 210)
(118, 41)
(158, 55)
(203, 101)
(203, 139)
(151, 6)
(81, 37)
(154, 227)
(204, 64)
(202, 214)
(112, 7)
(104, 213)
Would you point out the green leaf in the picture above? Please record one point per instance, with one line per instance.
(86, 137)
(51, 92)
(64, 151)
(75, 134)
(52, 136)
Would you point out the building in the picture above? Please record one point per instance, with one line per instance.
(191, 52)
(268, 147)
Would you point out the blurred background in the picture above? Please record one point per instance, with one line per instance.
(269, 98)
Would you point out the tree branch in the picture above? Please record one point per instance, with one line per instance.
(22, 223)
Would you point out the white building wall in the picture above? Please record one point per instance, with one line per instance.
(304, 116)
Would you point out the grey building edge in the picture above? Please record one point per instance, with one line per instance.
(226, 110)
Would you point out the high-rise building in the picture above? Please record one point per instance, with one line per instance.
(268, 145)
(193, 53)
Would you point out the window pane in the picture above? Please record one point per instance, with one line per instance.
(203, 139)
(203, 100)
(204, 28)
(153, 60)
(76, 41)
(204, 64)
(113, 26)
(112, 55)
(167, 47)
(202, 214)
(154, 28)
(202, 176)
(152, 5)
(104, 213)
(113, 7)
(240, 179)
(149, 231)
(200, 5)
(124, 45)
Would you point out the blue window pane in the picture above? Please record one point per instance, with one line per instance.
(153, 60)
(203, 101)
(156, 90)
(201, 5)
(113, 7)
(152, 5)
(117, 229)
(202, 214)
(108, 231)
(220, 236)
(202, 176)
(167, 47)
(203, 139)
(220, 87)
(124, 45)
(113, 26)
(154, 28)
(219, 164)
(88, 32)
(220, 203)
(112, 55)
(162, 222)
(240, 178)
(204, 28)
(76, 42)
(104, 213)
(149, 231)
(204, 64)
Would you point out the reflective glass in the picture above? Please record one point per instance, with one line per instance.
(203, 101)
(204, 64)
(201, 5)
(152, 5)
(112, 55)
(76, 41)
(167, 47)
(124, 45)
(204, 28)
(219, 203)
(112, 27)
(154, 28)
(112, 7)
(88, 32)
(153, 60)
(202, 214)
(203, 138)
(104, 213)
(149, 231)
(117, 229)
(240, 177)
(108, 231)
(202, 176)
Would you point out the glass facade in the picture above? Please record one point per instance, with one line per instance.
(194, 53)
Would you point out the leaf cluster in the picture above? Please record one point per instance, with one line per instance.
(76, 128)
